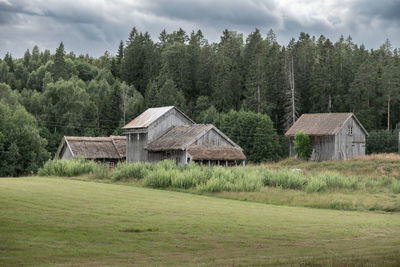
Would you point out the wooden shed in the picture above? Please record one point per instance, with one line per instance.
(333, 136)
(103, 149)
(167, 133)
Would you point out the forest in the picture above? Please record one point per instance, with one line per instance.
(251, 88)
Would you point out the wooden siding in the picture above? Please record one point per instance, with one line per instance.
(66, 152)
(349, 145)
(179, 157)
(135, 144)
(135, 151)
(212, 138)
(171, 118)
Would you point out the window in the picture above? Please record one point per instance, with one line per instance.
(350, 130)
(111, 164)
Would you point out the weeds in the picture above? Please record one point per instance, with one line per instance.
(166, 174)
(67, 168)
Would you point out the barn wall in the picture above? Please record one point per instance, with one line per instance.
(66, 153)
(348, 145)
(212, 138)
(322, 147)
(171, 118)
(135, 144)
(137, 139)
(179, 157)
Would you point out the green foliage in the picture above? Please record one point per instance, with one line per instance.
(100, 171)
(382, 142)
(70, 168)
(254, 132)
(302, 145)
(82, 95)
(130, 171)
(22, 149)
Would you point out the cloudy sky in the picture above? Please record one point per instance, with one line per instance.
(93, 26)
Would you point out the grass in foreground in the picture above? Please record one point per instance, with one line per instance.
(52, 221)
(273, 184)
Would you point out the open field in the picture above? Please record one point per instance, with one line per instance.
(55, 221)
(369, 183)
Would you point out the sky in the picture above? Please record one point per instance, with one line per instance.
(94, 26)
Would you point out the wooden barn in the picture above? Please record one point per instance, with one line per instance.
(103, 149)
(333, 136)
(167, 133)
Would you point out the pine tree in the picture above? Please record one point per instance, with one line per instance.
(59, 67)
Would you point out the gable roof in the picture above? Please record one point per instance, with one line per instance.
(180, 137)
(321, 124)
(94, 147)
(149, 116)
(215, 153)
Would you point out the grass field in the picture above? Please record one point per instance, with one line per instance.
(370, 183)
(55, 221)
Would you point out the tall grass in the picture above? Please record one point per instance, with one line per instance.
(67, 168)
(166, 174)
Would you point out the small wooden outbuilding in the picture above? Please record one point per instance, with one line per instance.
(167, 133)
(103, 149)
(333, 136)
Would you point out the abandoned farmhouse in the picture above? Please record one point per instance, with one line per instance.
(333, 136)
(167, 133)
(155, 135)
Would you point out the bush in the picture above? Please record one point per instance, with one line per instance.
(67, 168)
(302, 145)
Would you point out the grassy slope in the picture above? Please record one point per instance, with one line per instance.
(371, 166)
(57, 221)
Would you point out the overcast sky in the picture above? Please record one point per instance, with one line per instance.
(93, 26)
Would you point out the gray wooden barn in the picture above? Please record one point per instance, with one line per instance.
(167, 133)
(333, 136)
(103, 149)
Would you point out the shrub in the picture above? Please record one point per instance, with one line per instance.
(302, 145)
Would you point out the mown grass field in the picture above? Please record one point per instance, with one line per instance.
(58, 221)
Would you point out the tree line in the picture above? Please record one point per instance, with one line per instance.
(252, 88)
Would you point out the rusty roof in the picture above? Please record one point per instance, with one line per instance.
(149, 116)
(94, 147)
(321, 124)
(215, 153)
(177, 137)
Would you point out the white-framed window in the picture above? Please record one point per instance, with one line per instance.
(111, 164)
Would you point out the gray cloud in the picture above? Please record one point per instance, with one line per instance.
(92, 26)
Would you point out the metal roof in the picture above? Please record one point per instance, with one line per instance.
(149, 116)
(321, 124)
